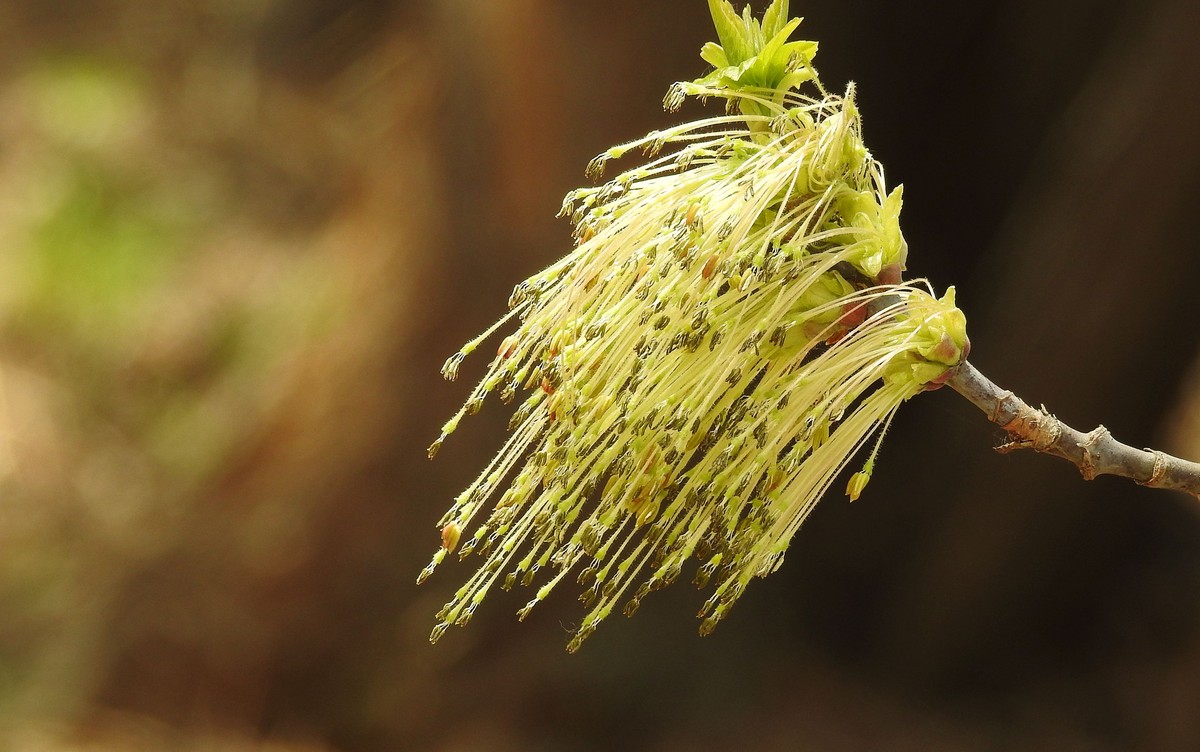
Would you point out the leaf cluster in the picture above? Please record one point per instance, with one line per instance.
(755, 54)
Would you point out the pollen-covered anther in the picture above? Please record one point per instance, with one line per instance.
(450, 369)
(507, 347)
(434, 447)
(857, 483)
(450, 537)
(674, 98)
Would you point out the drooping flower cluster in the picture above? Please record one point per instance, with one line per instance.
(728, 333)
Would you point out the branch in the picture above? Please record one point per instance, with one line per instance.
(1094, 453)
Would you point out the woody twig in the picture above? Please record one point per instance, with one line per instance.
(1094, 453)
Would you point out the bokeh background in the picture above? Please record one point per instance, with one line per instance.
(238, 238)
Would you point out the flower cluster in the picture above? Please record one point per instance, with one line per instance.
(730, 330)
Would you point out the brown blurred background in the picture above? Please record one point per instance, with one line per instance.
(238, 238)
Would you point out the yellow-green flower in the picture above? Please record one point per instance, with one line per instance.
(728, 333)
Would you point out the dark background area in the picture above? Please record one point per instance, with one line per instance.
(238, 239)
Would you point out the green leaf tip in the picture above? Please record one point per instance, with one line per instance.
(754, 54)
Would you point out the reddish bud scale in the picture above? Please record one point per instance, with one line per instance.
(890, 274)
(853, 314)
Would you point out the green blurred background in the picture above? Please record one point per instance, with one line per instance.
(238, 238)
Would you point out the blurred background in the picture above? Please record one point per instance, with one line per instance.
(239, 237)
